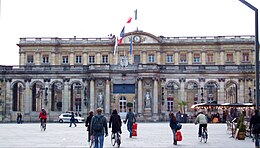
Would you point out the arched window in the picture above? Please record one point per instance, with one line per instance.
(76, 97)
(56, 96)
(17, 96)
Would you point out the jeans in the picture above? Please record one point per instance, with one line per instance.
(200, 128)
(256, 139)
(174, 135)
(129, 128)
(72, 121)
(99, 141)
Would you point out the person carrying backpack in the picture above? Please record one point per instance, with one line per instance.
(98, 128)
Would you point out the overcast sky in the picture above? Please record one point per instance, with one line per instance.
(98, 18)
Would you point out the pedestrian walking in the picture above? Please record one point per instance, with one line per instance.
(173, 125)
(255, 122)
(88, 122)
(98, 128)
(19, 118)
(72, 119)
(130, 120)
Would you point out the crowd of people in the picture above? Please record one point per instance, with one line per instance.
(97, 128)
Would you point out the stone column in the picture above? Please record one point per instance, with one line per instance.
(176, 57)
(158, 57)
(144, 57)
(27, 100)
(84, 97)
(92, 94)
(8, 100)
(238, 58)
(53, 58)
(222, 57)
(98, 58)
(203, 57)
(46, 97)
(107, 104)
(140, 96)
(249, 84)
(221, 92)
(71, 58)
(22, 58)
(85, 58)
(66, 97)
(155, 96)
(190, 60)
(201, 87)
(241, 96)
(38, 58)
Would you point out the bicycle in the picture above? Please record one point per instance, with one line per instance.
(92, 142)
(43, 126)
(116, 138)
(204, 135)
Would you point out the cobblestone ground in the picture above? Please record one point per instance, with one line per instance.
(28, 135)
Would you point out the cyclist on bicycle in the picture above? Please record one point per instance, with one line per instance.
(43, 117)
(116, 122)
(201, 119)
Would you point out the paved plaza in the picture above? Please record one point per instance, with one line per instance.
(157, 135)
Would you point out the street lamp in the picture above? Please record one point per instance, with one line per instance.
(256, 51)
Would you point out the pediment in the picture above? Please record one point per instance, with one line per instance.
(140, 37)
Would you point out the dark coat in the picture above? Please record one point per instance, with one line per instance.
(116, 122)
(255, 120)
(88, 122)
(173, 124)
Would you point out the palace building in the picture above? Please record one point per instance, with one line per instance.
(160, 75)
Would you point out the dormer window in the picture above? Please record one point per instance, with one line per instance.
(29, 59)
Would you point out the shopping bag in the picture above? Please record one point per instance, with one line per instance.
(134, 129)
(178, 136)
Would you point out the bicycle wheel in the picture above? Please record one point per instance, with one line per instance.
(204, 137)
(113, 139)
(92, 142)
(118, 140)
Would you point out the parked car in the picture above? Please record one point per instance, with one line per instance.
(65, 117)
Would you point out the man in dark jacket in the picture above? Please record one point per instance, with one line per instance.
(116, 122)
(72, 119)
(88, 122)
(130, 119)
(255, 121)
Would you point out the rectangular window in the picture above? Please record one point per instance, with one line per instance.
(29, 58)
(136, 59)
(78, 59)
(196, 57)
(229, 57)
(91, 59)
(183, 58)
(169, 59)
(245, 57)
(210, 57)
(104, 59)
(151, 58)
(65, 59)
(45, 59)
(170, 104)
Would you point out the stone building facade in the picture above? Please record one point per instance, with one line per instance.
(81, 74)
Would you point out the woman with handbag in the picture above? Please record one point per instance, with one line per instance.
(255, 121)
(173, 125)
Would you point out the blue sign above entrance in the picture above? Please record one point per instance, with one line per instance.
(124, 88)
